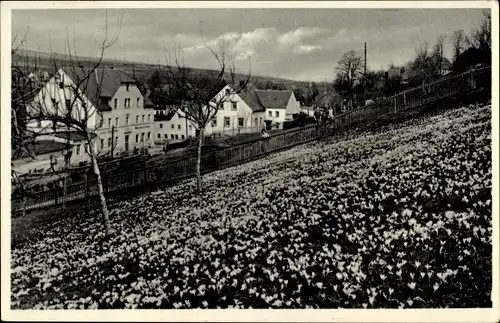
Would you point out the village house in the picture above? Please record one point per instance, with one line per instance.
(172, 126)
(243, 111)
(279, 105)
(117, 112)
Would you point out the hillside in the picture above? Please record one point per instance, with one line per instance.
(141, 71)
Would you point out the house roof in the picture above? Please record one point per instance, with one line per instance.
(250, 97)
(274, 99)
(101, 84)
(69, 135)
(40, 147)
(446, 64)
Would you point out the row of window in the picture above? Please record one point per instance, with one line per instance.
(115, 143)
(173, 136)
(126, 103)
(178, 126)
(127, 120)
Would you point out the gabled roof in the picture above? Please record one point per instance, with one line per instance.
(250, 97)
(40, 147)
(274, 99)
(99, 84)
(70, 135)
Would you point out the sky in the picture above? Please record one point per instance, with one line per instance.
(298, 44)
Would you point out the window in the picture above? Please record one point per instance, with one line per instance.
(179, 126)
(127, 103)
(190, 136)
(138, 102)
(161, 125)
(227, 122)
(256, 122)
(214, 123)
(183, 137)
(127, 87)
(116, 122)
(109, 142)
(234, 106)
(149, 136)
(149, 118)
(260, 120)
(166, 136)
(270, 114)
(86, 146)
(176, 137)
(116, 141)
(68, 104)
(241, 122)
(143, 118)
(116, 104)
(172, 136)
(137, 119)
(78, 150)
(102, 143)
(158, 136)
(277, 114)
(61, 85)
(127, 118)
(136, 138)
(142, 137)
(191, 127)
(173, 126)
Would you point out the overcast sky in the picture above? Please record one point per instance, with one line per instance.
(299, 44)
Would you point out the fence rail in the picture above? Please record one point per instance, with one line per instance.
(463, 84)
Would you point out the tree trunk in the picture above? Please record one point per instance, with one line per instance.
(104, 207)
(198, 160)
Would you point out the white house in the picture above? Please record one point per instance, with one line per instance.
(173, 127)
(111, 103)
(280, 105)
(240, 112)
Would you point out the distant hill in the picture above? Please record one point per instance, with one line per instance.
(141, 71)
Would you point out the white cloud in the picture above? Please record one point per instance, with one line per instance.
(295, 36)
(258, 41)
(306, 49)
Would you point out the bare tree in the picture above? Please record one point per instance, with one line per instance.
(200, 97)
(76, 110)
(458, 43)
(438, 53)
(349, 69)
(480, 37)
(422, 67)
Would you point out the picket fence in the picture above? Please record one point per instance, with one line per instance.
(466, 84)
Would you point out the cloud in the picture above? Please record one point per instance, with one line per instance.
(306, 49)
(260, 41)
(296, 36)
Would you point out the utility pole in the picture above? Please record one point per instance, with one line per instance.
(364, 78)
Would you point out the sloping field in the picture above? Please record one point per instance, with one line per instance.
(397, 218)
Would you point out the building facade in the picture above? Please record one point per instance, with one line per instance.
(107, 100)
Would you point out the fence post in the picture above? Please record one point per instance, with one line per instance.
(87, 193)
(106, 180)
(24, 205)
(145, 172)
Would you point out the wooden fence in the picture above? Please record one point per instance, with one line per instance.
(464, 84)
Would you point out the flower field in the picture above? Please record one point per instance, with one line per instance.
(391, 219)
